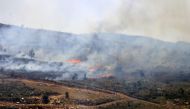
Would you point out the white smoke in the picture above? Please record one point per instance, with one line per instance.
(91, 54)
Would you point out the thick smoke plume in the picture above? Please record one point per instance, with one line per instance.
(165, 20)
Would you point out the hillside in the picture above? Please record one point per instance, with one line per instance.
(79, 98)
(94, 55)
(98, 70)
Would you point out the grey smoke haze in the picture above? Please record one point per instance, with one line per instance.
(100, 53)
(162, 19)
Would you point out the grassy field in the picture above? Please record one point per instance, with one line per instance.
(79, 98)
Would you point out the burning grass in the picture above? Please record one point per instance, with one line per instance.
(74, 61)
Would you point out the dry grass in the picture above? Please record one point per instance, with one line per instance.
(107, 99)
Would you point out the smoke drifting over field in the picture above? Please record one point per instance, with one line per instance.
(94, 55)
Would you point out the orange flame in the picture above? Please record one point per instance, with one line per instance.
(74, 61)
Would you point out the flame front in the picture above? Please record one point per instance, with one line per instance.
(74, 61)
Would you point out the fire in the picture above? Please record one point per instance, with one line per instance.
(95, 68)
(74, 61)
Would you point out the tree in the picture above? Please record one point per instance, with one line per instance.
(181, 93)
(85, 77)
(45, 98)
(67, 95)
(1, 47)
(75, 76)
(31, 53)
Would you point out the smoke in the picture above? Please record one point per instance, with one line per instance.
(165, 20)
(93, 55)
(101, 54)
(63, 53)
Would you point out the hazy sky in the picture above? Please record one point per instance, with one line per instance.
(162, 19)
